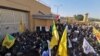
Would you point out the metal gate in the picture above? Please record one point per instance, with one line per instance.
(10, 19)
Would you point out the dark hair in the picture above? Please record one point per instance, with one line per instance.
(46, 48)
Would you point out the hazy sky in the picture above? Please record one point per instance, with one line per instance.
(72, 7)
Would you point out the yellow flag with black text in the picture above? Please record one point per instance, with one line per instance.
(96, 33)
(62, 49)
(21, 26)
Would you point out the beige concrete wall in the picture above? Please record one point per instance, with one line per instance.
(49, 23)
(40, 22)
(43, 22)
(28, 5)
(40, 7)
(14, 4)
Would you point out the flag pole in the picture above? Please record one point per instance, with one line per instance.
(49, 49)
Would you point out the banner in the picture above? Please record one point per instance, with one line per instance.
(8, 41)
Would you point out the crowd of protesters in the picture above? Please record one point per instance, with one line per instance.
(76, 34)
(27, 44)
(35, 43)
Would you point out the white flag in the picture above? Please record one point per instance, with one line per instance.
(69, 43)
(87, 47)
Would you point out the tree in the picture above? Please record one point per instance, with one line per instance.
(79, 17)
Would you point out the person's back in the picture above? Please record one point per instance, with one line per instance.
(45, 52)
(32, 52)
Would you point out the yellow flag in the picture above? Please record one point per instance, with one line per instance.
(96, 33)
(55, 36)
(84, 19)
(21, 26)
(8, 41)
(62, 49)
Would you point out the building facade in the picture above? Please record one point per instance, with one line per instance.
(12, 11)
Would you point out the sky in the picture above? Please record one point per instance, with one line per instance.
(72, 7)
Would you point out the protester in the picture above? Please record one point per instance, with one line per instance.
(45, 52)
(35, 43)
